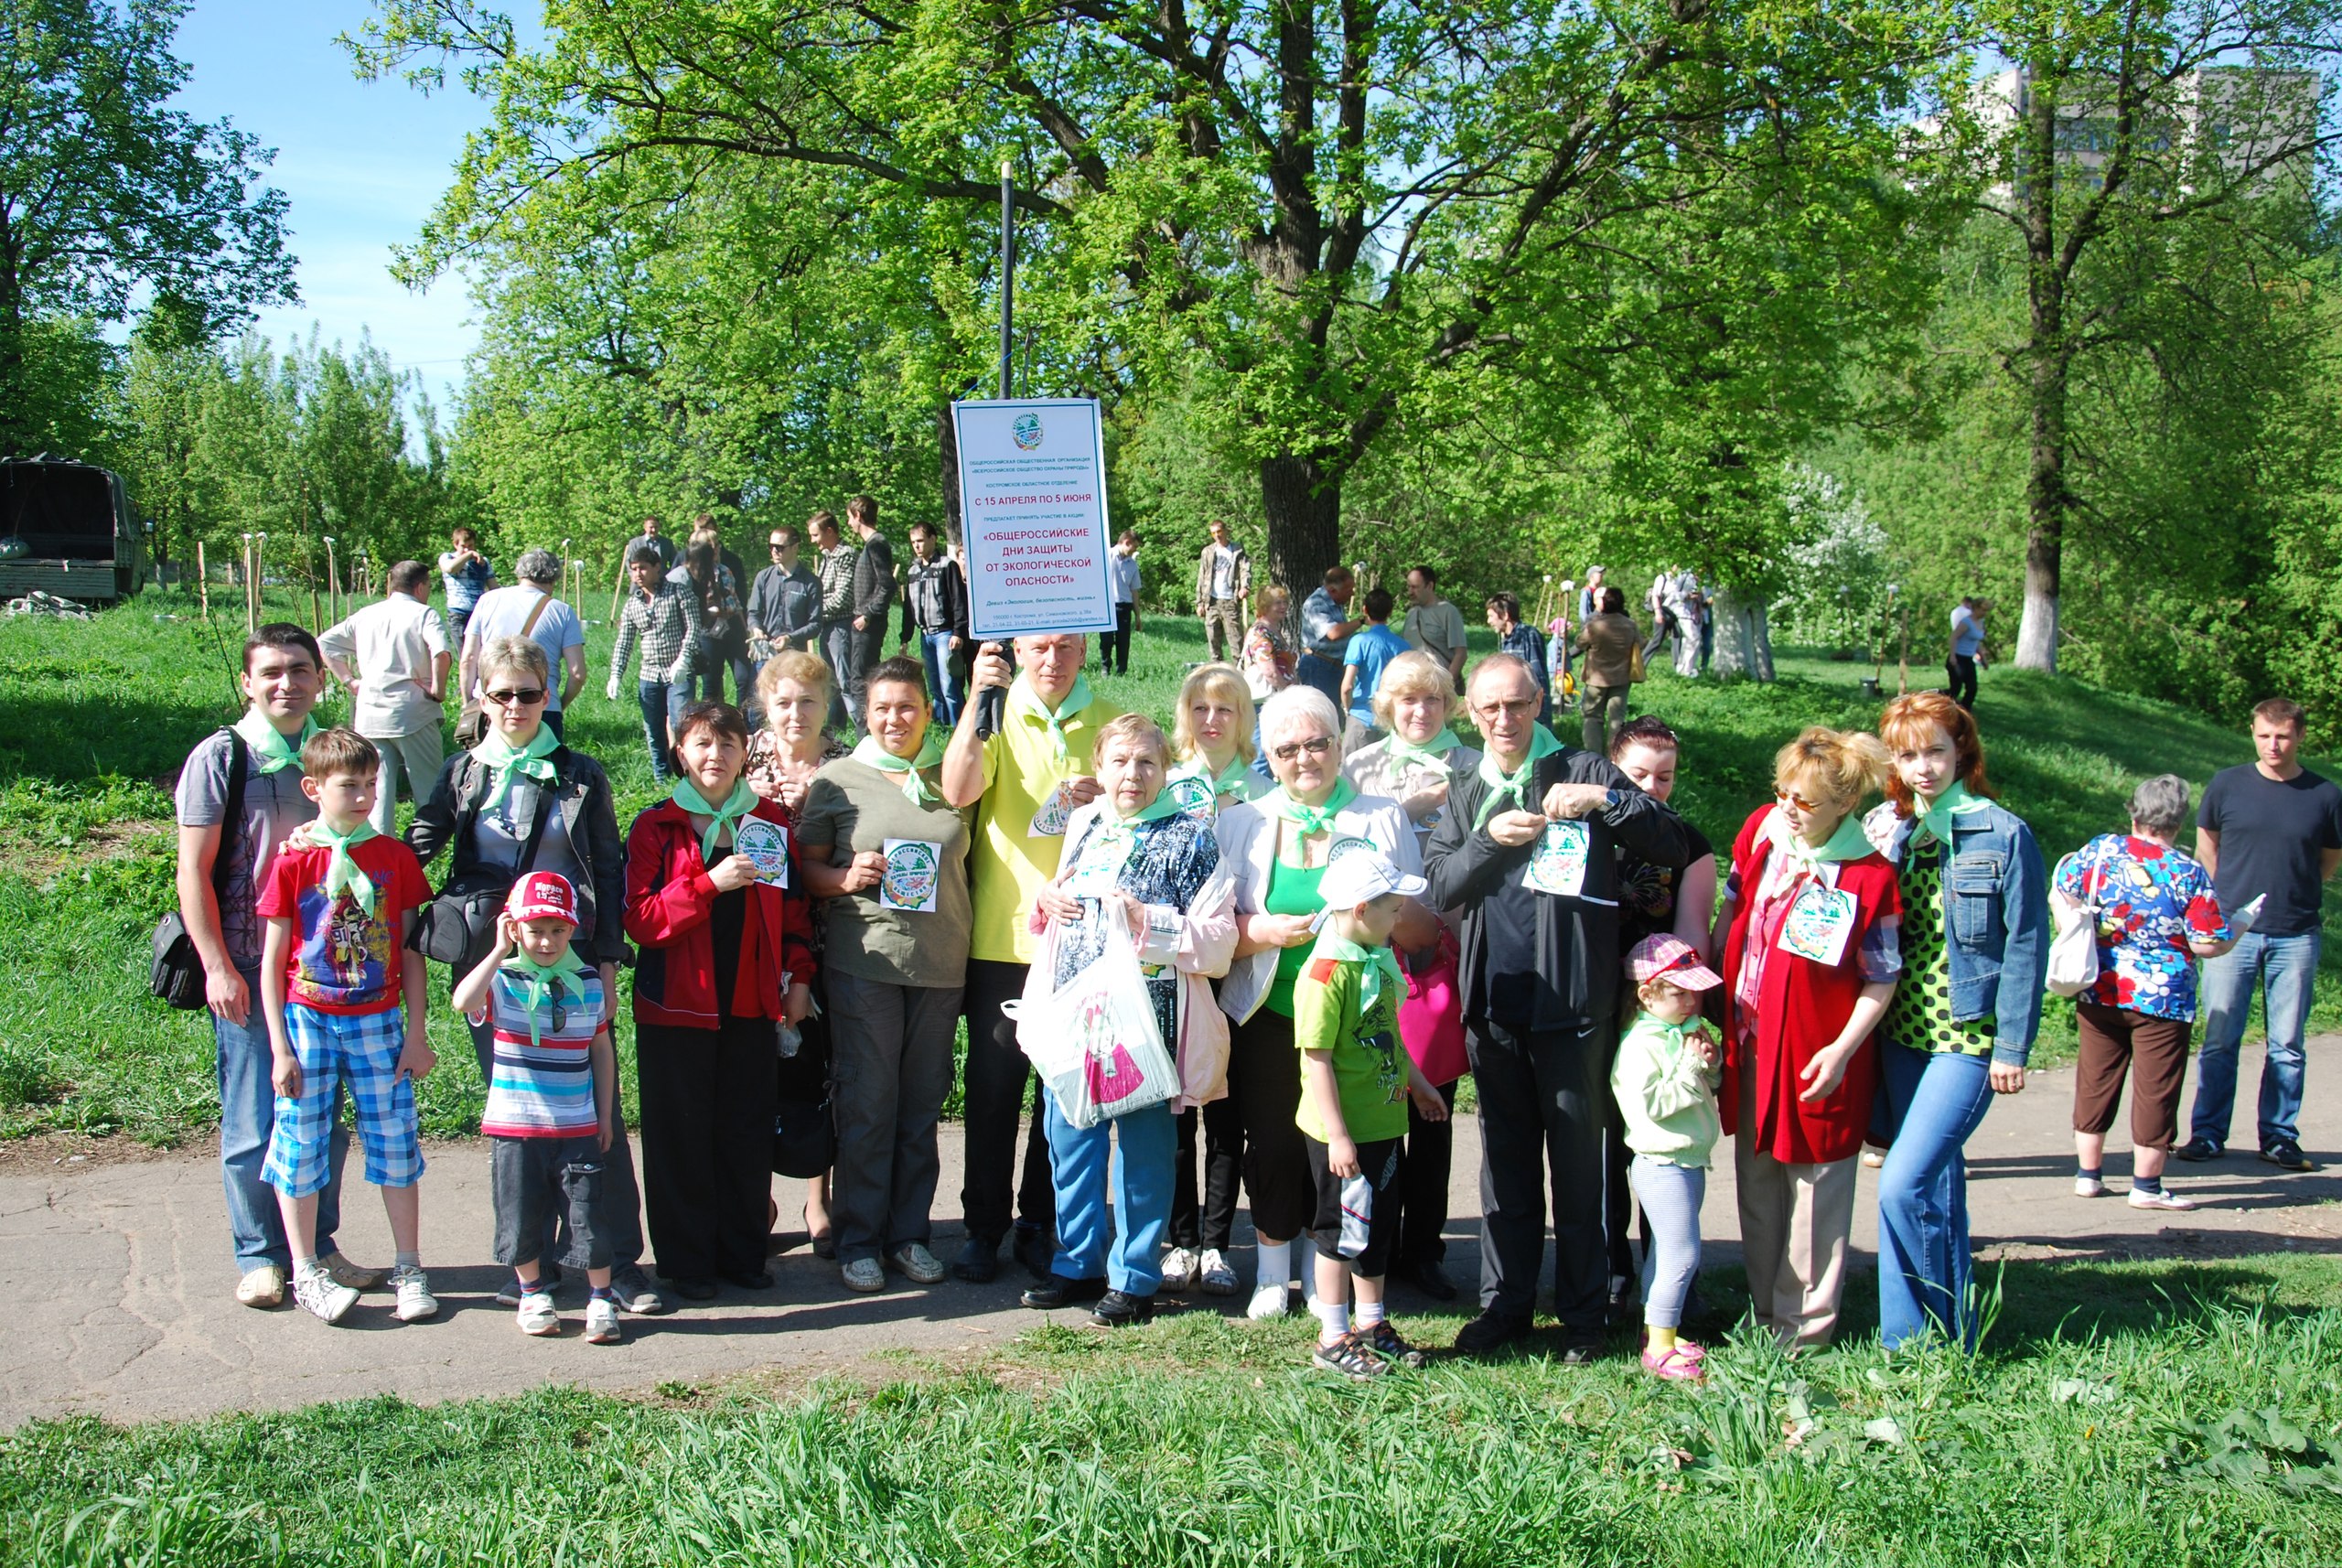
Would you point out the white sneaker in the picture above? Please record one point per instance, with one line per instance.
(1215, 1274)
(602, 1321)
(538, 1316)
(263, 1286)
(2166, 1199)
(916, 1264)
(2089, 1187)
(414, 1301)
(1180, 1266)
(1268, 1301)
(320, 1297)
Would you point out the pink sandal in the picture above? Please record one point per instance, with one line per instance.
(1680, 1363)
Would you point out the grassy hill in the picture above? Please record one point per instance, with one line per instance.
(99, 714)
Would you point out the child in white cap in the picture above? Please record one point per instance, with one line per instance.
(1356, 1084)
(552, 1098)
(1665, 1081)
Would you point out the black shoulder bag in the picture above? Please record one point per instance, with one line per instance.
(458, 926)
(177, 975)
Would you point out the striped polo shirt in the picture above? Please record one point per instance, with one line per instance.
(543, 1090)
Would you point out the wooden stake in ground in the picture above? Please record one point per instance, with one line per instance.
(333, 580)
(309, 570)
(250, 619)
(1903, 671)
(202, 580)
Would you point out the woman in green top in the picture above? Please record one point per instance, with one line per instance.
(889, 859)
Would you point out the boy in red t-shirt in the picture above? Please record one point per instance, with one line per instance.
(344, 1000)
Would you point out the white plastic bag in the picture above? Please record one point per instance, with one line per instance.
(1094, 1039)
(2073, 947)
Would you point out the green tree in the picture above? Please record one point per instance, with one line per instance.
(106, 191)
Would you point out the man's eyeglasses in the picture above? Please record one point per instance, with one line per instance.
(1319, 746)
(776, 544)
(518, 697)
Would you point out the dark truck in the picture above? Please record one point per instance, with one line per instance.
(66, 529)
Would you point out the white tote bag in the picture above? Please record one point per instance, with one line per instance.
(1094, 1039)
(2073, 947)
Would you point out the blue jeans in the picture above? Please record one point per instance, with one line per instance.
(662, 708)
(1324, 673)
(2283, 969)
(1088, 1244)
(942, 679)
(1934, 1101)
(247, 1121)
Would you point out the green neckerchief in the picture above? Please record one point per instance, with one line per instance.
(1955, 801)
(1847, 842)
(738, 804)
(496, 754)
(1431, 753)
(1310, 820)
(916, 790)
(341, 872)
(271, 752)
(1026, 702)
(1237, 778)
(1381, 966)
(1541, 745)
(540, 981)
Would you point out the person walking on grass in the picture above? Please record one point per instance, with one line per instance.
(874, 596)
(1967, 642)
(1025, 780)
(393, 656)
(935, 616)
(2269, 831)
(1608, 637)
(1434, 626)
(552, 1114)
(1975, 942)
(344, 998)
(1528, 847)
(239, 798)
(1523, 641)
(833, 563)
(2155, 914)
(1224, 587)
(468, 574)
(663, 619)
(1369, 653)
(1359, 1086)
(1122, 568)
(528, 609)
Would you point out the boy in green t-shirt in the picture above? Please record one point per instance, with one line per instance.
(1356, 1081)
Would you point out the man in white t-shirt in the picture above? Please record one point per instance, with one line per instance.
(529, 609)
(1223, 592)
(393, 655)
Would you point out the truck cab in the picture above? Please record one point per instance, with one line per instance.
(66, 529)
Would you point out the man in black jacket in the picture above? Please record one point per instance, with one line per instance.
(785, 605)
(935, 612)
(874, 595)
(1528, 847)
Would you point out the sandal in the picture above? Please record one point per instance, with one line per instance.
(1680, 1363)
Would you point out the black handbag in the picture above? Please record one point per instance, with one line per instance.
(175, 976)
(457, 927)
(804, 1128)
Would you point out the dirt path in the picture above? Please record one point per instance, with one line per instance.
(123, 1283)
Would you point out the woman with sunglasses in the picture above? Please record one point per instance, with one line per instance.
(1810, 960)
(1277, 847)
(522, 802)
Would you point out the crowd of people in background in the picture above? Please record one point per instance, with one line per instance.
(1331, 906)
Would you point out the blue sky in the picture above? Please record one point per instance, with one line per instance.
(363, 164)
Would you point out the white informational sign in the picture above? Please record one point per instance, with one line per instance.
(1033, 515)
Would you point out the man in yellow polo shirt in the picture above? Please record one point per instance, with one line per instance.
(1023, 782)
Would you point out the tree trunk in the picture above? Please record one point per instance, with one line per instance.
(1303, 506)
(1744, 641)
(947, 448)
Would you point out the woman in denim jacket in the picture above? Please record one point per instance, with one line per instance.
(1975, 936)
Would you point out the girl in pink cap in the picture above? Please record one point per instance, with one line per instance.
(1665, 1081)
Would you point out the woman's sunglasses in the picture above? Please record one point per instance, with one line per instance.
(518, 697)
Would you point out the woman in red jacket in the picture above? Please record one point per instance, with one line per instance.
(711, 901)
(1811, 958)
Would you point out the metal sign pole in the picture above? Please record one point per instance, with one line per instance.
(991, 702)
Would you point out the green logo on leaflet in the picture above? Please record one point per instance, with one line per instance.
(1026, 432)
(1192, 796)
(910, 875)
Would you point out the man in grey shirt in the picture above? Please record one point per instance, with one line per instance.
(1434, 625)
(785, 605)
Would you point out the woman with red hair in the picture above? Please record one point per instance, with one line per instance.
(1975, 935)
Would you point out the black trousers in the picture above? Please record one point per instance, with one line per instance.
(1421, 1193)
(621, 1200)
(1543, 1098)
(1961, 668)
(994, 1090)
(1264, 1083)
(707, 1109)
(1210, 1224)
(1114, 647)
(1663, 626)
(866, 650)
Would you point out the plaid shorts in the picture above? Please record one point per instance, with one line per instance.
(361, 1048)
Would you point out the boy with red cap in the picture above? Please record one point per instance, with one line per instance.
(1665, 1081)
(552, 1096)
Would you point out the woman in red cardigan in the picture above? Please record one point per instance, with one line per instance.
(1810, 957)
(725, 953)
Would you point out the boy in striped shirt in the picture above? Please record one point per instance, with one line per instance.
(550, 1098)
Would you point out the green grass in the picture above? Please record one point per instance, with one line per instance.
(102, 712)
(2119, 1415)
